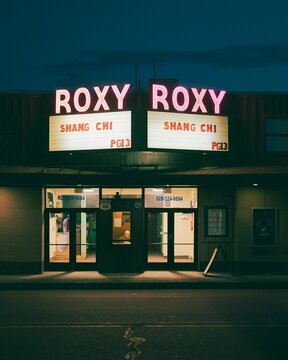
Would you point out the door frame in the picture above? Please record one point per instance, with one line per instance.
(171, 264)
(71, 265)
(118, 258)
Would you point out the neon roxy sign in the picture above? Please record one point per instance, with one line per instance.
(182, 98)
(82, 100)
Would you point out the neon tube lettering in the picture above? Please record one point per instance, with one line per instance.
(87, 103)
(101, 98)
(120, 94)
(159, 94)
(199, 100)
(217, 100)
(62, 99)
(180, 90)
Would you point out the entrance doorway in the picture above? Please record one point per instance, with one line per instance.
(120, 229)
(171, 238)
(72, 239)
(121, 242)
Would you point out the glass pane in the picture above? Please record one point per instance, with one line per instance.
(59, 237)
(157, 232)
(216, 222)
(123, 193)
(121, 227)
(183, 237)
(277, 143)
(85, 253)
(277, 126)
(72, 198)
(171, 198)
(85, 237)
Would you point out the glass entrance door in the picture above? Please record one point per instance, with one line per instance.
(170, 239)
(157, 237)
(184, 237)
(59, 237)
(85, 237)
(70, 240)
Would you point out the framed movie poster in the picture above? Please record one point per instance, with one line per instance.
(264, 227)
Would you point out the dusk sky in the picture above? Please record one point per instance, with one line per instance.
(230, 45)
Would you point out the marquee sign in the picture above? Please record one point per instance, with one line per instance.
(111, 130)
(84, 120)
(187, 131)
(95, 118)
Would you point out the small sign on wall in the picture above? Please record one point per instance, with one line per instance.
(264, 227)
(105, 204)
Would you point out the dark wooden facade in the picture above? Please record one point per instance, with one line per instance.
(222, 178)
(24, 136)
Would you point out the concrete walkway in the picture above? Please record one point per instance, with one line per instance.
(148, 279)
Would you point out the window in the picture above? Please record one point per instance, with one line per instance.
(121, 228)
(85, 237)
(170, 236)
(183, 237)
(72, 198)
(157, 237)
(185, 198)
(276, 131)
(59, 239)
(216, 221)
(123, 193)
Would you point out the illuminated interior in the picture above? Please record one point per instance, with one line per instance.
(182, 250)
(124, 193)
(171, 198)
(121, 228)
(72, 231)
(60, 241)
(72, 198)
(59, 237)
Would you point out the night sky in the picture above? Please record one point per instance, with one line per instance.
(230, 45)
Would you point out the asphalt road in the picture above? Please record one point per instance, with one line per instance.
(144, 324)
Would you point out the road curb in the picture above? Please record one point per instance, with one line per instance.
(140, 285)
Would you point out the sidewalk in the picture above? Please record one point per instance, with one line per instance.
(146, 280)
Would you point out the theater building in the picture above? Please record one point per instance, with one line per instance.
(117, 180)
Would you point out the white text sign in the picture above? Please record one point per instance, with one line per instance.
(187, 131)
(111, 130)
